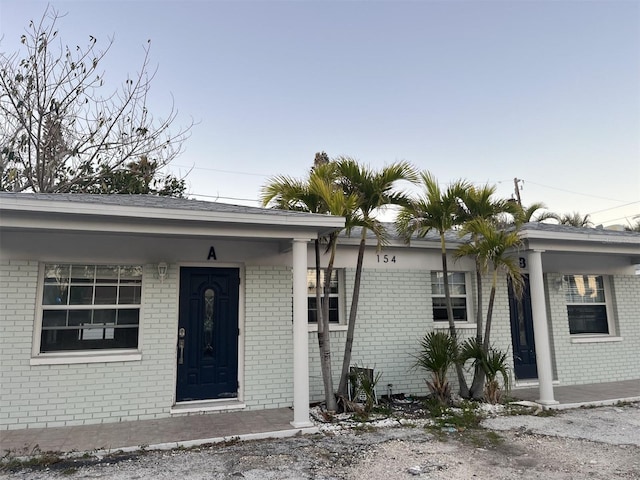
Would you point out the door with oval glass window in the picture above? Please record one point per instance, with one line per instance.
(207, 353)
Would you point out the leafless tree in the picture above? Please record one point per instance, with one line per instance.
(58, 132)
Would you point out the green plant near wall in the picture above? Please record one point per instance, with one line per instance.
(437, 354)
(363, 382)
(493, 363)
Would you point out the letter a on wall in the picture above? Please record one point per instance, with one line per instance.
(212, 254)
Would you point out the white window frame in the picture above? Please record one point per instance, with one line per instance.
(608, 296)
(468, 296)
(342, 320)
(82, 356)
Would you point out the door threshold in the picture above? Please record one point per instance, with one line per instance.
(201, 406)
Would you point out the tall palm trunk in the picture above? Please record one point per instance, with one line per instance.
(324, 338)
(348, 346)
(492, 296)
(477, 386)
(464, 389)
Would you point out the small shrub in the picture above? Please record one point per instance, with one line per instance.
(437, 355)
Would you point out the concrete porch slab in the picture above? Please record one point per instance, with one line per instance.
(593, 394)
(165, 433)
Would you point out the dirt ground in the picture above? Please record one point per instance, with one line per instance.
(600, 443)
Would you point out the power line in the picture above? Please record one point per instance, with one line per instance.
(575, 193)
(613, 208)
(222, 171)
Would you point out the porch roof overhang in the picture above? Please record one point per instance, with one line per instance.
(152, 215)
(563, 239)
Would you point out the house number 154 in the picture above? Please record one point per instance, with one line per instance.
(386, 258)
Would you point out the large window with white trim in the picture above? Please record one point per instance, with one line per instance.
(335, 296)
(458, 291)
(90, 307)
(586, 299)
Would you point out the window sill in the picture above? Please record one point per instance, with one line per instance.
(445, 325)
(332, 327)
(84, 357)
(595, 339)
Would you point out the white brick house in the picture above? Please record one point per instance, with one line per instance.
(122, 307)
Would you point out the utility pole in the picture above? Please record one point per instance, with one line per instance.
(516, 184)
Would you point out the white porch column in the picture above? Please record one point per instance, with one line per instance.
(300, 336)
(540, 328)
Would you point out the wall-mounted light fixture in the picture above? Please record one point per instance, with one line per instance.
(162, 271)
(559, 284)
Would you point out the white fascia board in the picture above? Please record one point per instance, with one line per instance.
(193, 229)
(325, 222)
(581, 237)
(585, 247)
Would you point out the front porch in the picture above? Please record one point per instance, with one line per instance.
(164, 433)
(192, 430)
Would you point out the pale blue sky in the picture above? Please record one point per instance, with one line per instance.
(548, 92)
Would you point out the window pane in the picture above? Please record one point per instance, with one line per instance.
(131, 274)
(313, 312)
(104, 316)
(129, 317)
(90, 328)
(82, 273)
(457, 283)
(55, 294)
(311, 281)
(459, 306)
(584, 289)
(97, 338)
(437, 284)
(54, 318)
(107, 273)
(334, 313)
(79, 317)
(81, 295)
(129, 295)
(106, 295)
(56, 273)
(587, 319)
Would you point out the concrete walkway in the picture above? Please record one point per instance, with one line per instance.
(193, 430)
(161, 433)
(594, 394)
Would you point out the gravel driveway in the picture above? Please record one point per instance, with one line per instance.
(598, 443)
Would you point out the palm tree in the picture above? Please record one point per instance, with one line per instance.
(574, 219)
(528, 214)
(478, 202)
(374, 190)
(633, 227)
(492, 251)
(441, 211)
(319, 194)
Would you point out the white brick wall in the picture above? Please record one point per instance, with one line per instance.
(578, 363)
(394, 313)
(268, 339)
(57, 395)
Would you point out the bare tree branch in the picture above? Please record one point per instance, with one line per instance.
(59, 132)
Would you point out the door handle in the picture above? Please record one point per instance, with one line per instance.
(181, 347)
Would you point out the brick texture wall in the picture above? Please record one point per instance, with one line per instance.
(75, 394)
(268, 340)
(578, 363)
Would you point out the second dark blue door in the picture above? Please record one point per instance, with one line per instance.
(208, 334)
(524, 349)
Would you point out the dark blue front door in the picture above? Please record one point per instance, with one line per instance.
(208, 334)
(524, 349)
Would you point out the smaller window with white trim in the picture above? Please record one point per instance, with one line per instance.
(90, 307)
(585, 297)
(458, 293)
(334, 295)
